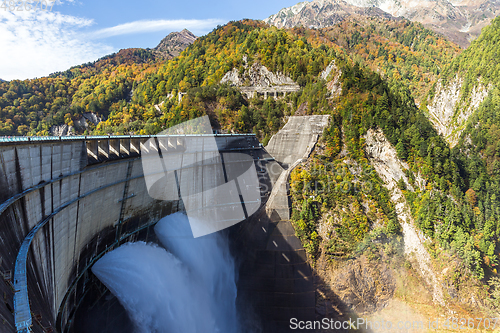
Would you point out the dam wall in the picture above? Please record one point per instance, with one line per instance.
(64, 203)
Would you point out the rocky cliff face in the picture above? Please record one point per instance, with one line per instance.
(172, 45)
(80, 125)
(87, 118)
(448, 110)
(62, 130)
(320, 14)
(332, 75)
(459, 20)
(256, 76)
(384, 159)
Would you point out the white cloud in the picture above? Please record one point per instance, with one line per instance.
(35, 44)
(196, 26)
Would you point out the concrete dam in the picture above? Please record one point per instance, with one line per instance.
(67, 201)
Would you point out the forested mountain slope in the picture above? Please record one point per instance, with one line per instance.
(404, 52)
(460, 21)
(169, 47)
(342, 209)
(465, 84)
(478, 147)
(33, 107)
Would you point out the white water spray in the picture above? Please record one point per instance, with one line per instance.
(190, 289)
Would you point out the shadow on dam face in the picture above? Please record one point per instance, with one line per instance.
(104, 314)
(275, 283)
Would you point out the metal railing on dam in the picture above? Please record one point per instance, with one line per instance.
(64, 202)
(14, 139)
(108, 147)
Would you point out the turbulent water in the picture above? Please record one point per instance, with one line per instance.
(190, 288)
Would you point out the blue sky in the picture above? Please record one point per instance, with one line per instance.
(37, 43)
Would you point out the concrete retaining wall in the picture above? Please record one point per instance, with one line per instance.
(290, 146)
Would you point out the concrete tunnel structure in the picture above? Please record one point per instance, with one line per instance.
(66, 201)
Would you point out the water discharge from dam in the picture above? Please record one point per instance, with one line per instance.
(68, 201)
(189, 288)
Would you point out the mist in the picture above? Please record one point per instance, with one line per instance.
(189, 288)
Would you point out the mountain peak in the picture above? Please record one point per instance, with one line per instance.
(459, 20)
(321, 13)
(174, 43)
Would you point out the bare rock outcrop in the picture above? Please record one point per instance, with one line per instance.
(361, 285)
(447, 111)
(384, 159)
(80, 124)
(172, 45)
(62, 130)
(333, 73)
(87, 119)
(256, 76)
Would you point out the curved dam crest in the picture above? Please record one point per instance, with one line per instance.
(88, 196)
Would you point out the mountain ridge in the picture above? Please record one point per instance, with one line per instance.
(320, 14)
(459, 21)
(174, 43)
(169, 47)
(465, 84)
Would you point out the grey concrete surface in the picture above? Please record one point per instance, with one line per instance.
(290, 146)
(275, 276)
(296, 138)
(69, 202)
(85, 196)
